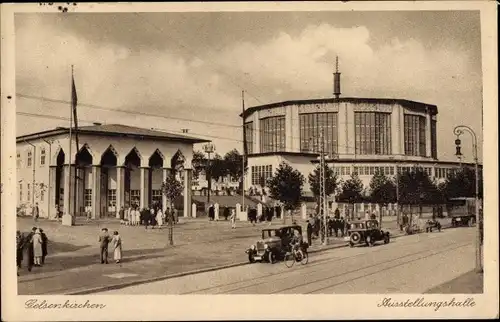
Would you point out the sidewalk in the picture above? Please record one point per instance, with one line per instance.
(469, 283)
(72, 265)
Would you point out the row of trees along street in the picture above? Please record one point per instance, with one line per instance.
(230, 164)
(414, 188)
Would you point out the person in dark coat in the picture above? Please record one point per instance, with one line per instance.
(309, 233)
(45, 241)
(28, 246)
(342, 226)
(104, 240)
(211, 213)
(122, 213)
(226, 213)
(19, 249)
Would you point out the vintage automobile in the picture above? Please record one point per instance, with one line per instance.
(274, 244)
(366, 232)
(431, 224)
(462, 211)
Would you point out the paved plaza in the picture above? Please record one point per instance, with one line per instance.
(73, 265)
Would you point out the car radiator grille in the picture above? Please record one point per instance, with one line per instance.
(260, 246)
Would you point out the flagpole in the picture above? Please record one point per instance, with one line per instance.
(70, 141)
(244, 155)
(75, 120)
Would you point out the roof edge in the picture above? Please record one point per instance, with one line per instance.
(64, 130)
(404, 102)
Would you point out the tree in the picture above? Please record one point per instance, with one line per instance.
(382, 189)
(217, 167)
(331, 181)
(234, 164)
(286, 186)
(352, 190)
(172, 189)
(416, 187)
(198, 163)
(463, 184)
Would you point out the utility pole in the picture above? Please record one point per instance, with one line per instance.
(322, 184)
(458, 131)
(209, 148)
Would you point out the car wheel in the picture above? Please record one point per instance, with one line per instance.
(251, 259)
(351, 244)
(271, 258)
(386, 239)
(355, 237)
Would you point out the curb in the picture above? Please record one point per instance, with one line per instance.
(153, 279)
(198, 271)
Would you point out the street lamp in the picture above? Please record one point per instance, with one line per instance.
(208, 148)
(458, 131)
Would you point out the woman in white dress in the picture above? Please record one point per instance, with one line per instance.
(159, 218)
(37, 247)
(117, 247)
(137, 216)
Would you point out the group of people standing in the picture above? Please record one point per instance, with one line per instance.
(335, 225)
(228, 213)
(152, 216)
(32, 247)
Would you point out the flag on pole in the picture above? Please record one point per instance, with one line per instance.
(74, 103)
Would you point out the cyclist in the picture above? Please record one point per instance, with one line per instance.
(296, 241)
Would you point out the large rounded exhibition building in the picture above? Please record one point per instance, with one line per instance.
(361, 135)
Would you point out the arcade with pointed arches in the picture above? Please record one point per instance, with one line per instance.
(116, 166)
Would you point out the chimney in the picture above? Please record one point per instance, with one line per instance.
(336, 79)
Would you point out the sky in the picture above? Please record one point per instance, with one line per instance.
(174, 71)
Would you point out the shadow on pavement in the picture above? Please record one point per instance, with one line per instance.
(60, 263)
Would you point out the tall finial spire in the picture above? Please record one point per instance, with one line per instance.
(336, 79)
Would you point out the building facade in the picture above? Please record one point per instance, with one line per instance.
(116, 166)
(360, 135)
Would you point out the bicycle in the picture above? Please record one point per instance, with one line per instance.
(296, 255)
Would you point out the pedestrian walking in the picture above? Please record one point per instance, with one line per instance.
(233, 219)
(104, 240)
(159, 217)
(226, 213)
(36, 212)
(45, 242)
(117, 247)
(37, 248)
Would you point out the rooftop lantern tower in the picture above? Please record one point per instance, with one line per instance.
(336, 79)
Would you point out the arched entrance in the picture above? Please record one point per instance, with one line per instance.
(132, 178)
(84, 162)
(108, 190)
(156, 178)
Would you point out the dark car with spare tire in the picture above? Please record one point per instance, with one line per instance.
(366, 232)
(274, 244)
